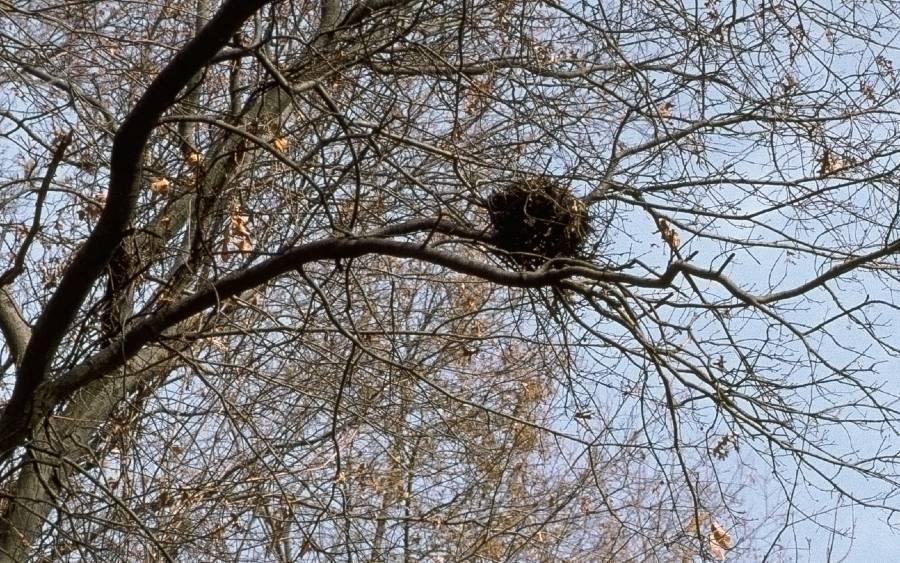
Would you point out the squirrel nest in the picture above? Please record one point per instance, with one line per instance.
(536, 219)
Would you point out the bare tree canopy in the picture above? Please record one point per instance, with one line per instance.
(419, 280)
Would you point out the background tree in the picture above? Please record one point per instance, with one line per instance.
(279, 284)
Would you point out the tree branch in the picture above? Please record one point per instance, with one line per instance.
(64, 437)
(15, 330)
(151, 327)
(19, 261)
(127, 156)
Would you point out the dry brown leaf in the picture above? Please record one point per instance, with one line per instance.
(477, 94)
(239, 225)
(789, 83)
(868, 92)
(93, 208)
(160, 186)
(696, 521)
(673, 239)
(719, 541)
(193, 158)
(668, 234)
(829, 163)
(280, 143)
(239, 237)
(665, 110)
(724, 446)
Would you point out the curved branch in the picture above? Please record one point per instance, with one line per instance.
(834, 272)
(127, 155)
(152, 327)
(19, 261)
(16, 331)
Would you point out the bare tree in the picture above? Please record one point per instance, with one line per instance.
(411, 280)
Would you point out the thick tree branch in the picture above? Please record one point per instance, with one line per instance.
(150, 328)
(15, 331)
(365, 8)
(65, 437)
(127, 156)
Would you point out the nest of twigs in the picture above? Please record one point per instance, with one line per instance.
(536, 219)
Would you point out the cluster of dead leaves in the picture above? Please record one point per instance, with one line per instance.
(885, 65)
(92, 207)
(280, 144)
(668, 234)
(193, 158)
(868, 92)
(665, 110)
(725, 445)
(831, 163)
(160, 186)
(478, 94)
(239, 238)
(718, 540)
